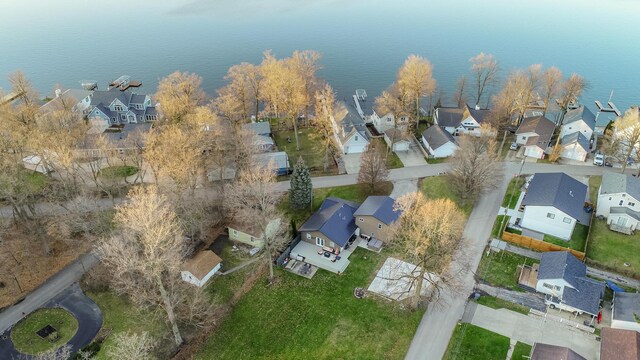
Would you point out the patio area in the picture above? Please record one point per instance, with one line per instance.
(396, 280)
(529, 276)
(308, 253)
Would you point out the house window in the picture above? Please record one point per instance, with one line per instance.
(566, 220)
(551, 216)
(113, 120)
(117, 108)
(319, 241)
(523, 137)
(356, 138)
(308, 236)
(548, 286)
(379, 226)
(631, 204)
(389, 120)
(361, 219)
(252, 239)
(620, 203)
(609, 197)
(235, 232)
(622, 221)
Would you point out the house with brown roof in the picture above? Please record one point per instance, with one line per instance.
(534, 133)
(200, 268)
(619, 344)
(553, 352)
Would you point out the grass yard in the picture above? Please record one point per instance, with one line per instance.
(611, 249)
(347, 192)
(315, 319)
(26, 340)
(500, 269)
(521, 351)
(497, 303)
(118, 172)
(436, 160)
(121, 316)
(393, 161)
(514, 188)
(578, 238)
(438, 187)
(311, 150)
(470, 342)
(594, 185)
(498, 226)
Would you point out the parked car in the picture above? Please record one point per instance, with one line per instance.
(598, 159)
(514, 146)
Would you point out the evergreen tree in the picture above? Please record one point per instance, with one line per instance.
(301, 187)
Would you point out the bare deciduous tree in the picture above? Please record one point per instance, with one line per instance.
(238, 100)
(485, 73)
(307, 63)
(325, 100)
(129, 345)
(428, 232)
(570, 91)
(551, 83)
(373, 168)
(460, 97)
(476, 165)
(416, 78)
(178, 94)
(623, 143)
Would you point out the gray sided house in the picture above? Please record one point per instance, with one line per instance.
(619, 201)
(534, 133)
(375, 216)
(563, 278)
(332, 226)
(262, 131)
(438, 142)
(553, 204)
(115, 107)
(581, 120)
(350, 130)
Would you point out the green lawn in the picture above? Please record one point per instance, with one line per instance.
(470, 342)
(436, 160)
(118, 172)
(438, 187)
(497, 303)
(311, 150)
(120, 315)
(315, 319)
(594, 185)
(27, 341)
(36, 180)
(393, 161)
(521, 351)
(347, 192)
(422, 126)
(500, 269)
(612, 249)
(578, 238)
(514, 189)
(498, 226)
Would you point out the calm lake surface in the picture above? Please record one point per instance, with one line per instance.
(363, 42)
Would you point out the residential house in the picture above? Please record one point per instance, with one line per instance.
(619, 344)
(461, 121)
(575, 146)
(115, 107)
(200, 268)
(581, 120)
(278, 160)
(326, 238)
(74, 99)
(553, 352)
(534, 133)
(35, 163)
(262, 131)
(603, 119)
(563, 278)
(553, 204)
(622, 132)
(438, 142)
(375, 216)
(626, 311)
(349, 130)
(382, 123)
(400, 139)
(248, 233)
(127, 137)
(619, 201)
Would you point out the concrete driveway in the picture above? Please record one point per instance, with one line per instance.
(402, 187)
(352, 163)
(532, 329)
(413, 156)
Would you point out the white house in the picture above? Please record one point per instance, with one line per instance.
(563, 278)
(366, 111)
(200, 268)
(534, 133)
(619, 201)
(625, 312)
(74, 99)
(399, 138)
(575, 146)
(438, 142)
(553, 204)
(250, 234)
(461, 121)
(349, 130)
(581, 120)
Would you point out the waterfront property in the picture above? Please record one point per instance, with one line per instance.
(116, 107)
(381, 123)
(575, 146)
(461, 121)
(534, 133)
(350, 130)
(581, 120)
(438, 142)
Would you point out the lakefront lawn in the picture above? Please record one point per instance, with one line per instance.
(315, 319)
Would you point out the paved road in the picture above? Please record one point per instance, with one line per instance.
(47, 291)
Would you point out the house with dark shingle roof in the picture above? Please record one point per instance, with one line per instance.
(619, 344)
(350, 130)
(553, 204)
(438, 142)
(553, 352)
(534, 133)
(625, 312)
(581, 120)
(619, 201)
(375, 216)
(461, 121)
(116, 107)
(563, 278)
(575, 146)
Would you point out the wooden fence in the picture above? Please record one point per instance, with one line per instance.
(538, 245)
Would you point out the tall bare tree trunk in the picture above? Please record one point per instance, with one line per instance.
(168, 307)
(295, 130)
(416, 296)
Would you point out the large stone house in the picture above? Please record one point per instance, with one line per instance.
(619, 201)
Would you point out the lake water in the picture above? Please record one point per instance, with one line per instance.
(363, 42)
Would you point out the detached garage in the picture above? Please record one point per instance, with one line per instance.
(575, 146)
(398, 138)
(438, 142)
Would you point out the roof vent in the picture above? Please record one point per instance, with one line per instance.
(571, 193)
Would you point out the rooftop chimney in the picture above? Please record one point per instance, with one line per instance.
(477, 107)
(58, 92)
